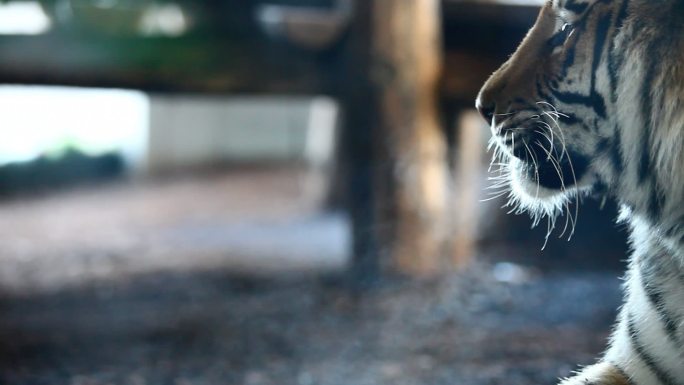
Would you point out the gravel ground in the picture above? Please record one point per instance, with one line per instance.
(211, 328)
(157, 284)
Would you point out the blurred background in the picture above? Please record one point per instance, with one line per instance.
(276, 192)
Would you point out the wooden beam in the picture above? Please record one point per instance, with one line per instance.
(190, 64)
(238, 58)
(499, 12)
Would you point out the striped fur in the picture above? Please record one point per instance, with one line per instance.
(592, 102)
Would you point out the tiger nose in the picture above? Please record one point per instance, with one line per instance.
(486, 109)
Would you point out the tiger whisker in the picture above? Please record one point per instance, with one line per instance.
(556, 113)
(554, 163)
(562, 137)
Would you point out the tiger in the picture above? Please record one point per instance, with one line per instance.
(592, 104)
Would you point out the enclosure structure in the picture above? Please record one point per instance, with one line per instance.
(401, 71)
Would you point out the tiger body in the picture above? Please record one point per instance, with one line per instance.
(592, 102)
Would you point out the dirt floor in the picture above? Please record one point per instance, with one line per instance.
(173, 283)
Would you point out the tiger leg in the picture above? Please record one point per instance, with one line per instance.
(600, 374)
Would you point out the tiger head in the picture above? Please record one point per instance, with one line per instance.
(593, 97)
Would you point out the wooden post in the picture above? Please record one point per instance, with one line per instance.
(393, 146)
(406, 68)
(358, 158)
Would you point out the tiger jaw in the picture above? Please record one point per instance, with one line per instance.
(541, 183)
(555, 173)
(540, 146)
(527, 194)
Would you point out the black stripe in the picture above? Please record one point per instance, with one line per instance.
(646, 172)
(649, 274)
(575, 7)
(601, 35)
(593, 101)
(566, 118)
(570, 55)
(644, 167)
(655, 199)
(615, 151)
(640, 350)
(658, 303)
(521, 102)
(622, 14)
(650, 58)
(540, 86)
(610, 146)
(615, 59)
(674, 229)
(559, 38)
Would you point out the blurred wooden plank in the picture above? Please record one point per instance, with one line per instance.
(234, 58)
(502, 12)
(520, 3)
(190, 64)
